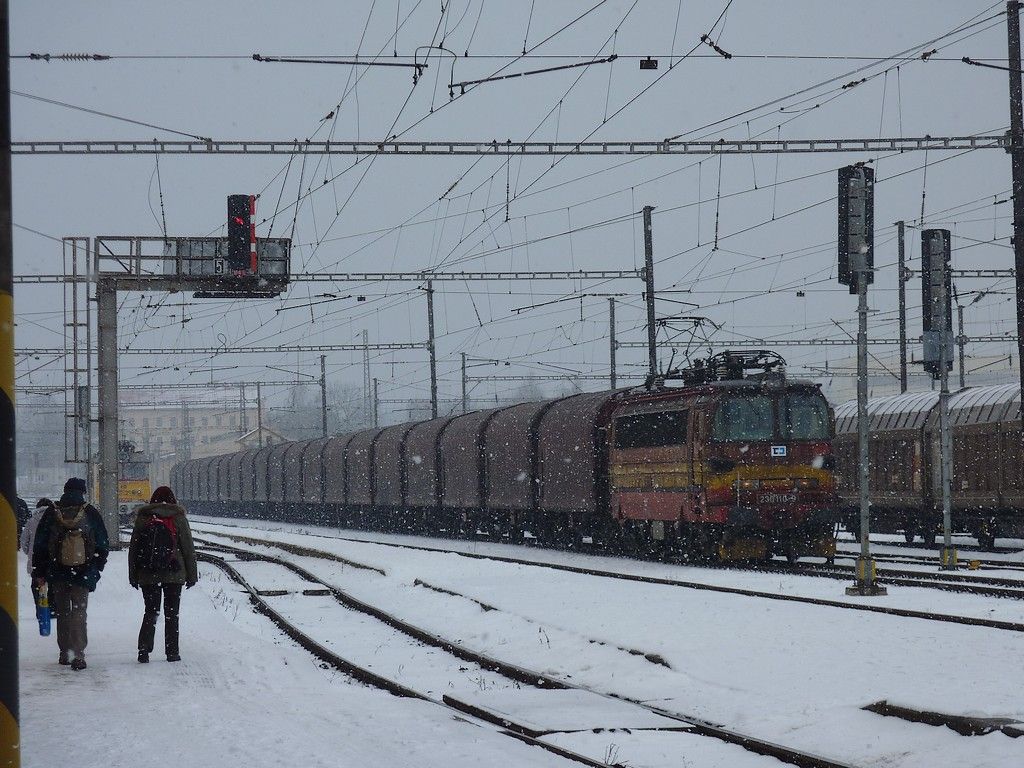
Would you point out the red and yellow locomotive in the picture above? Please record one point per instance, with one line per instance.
(730, 465)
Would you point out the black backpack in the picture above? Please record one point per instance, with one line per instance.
(157, 549)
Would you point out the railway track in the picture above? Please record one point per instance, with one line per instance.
(699, 586)
(986, 586)
(541, 690)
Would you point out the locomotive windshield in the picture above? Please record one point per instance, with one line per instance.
(745, 417)
(799, 416)
(804, 416)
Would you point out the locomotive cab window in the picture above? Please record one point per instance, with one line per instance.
(651, 430)
(804, 416)
(743, 418)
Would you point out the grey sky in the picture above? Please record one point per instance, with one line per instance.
(239, 98)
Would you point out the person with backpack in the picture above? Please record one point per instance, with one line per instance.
(161, 558)
(68, 554)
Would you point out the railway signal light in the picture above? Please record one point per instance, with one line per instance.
(242, 235)
(935, 299)
(856, 225)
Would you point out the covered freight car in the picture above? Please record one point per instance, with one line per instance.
(987, 490)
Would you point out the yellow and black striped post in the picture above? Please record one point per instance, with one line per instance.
(10, 734)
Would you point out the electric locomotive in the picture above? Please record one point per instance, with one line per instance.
(734, 464)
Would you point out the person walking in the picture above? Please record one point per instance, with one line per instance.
(28, 538)
(68, 554)
(161, 558)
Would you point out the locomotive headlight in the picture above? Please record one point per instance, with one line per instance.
(806, 483)
(746, 485)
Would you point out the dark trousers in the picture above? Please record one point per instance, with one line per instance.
(70, 603)
(171, 594)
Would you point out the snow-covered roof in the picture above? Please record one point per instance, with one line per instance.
(907, 411)
(911, 410)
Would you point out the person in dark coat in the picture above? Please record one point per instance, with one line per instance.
(72, 520)
(166, 582)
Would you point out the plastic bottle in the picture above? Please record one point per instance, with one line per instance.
(43, 611)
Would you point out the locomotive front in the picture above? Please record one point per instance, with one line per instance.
(729, 466)
(767, 475)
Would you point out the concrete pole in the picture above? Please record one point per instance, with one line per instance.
(902, 272)
(866, 582)
(323, 395)
(961, 342)
(367, 394)
(243, 415)
(1017, 169)
(611, 342)
(652, 352)
(106, 326)
(465, 393)
(259, 414)
(376, 412)
(947, 558)
(433, 349)
(10, 739)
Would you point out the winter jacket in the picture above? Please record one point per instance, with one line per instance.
(44, 546)
(28, 535)
(187, 571)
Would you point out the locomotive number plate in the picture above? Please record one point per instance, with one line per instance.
(777, 498)
(778, 451)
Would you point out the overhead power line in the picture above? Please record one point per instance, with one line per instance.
(509, 147)
(78, 108)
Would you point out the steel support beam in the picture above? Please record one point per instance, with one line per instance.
(508, 148)
(380, 277)
(106, 321)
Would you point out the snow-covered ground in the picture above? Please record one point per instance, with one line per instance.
(792, 673)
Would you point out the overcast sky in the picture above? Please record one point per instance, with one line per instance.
(450, 213)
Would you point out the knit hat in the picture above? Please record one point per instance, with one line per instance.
(44, 502)
(163, 495)
(75, 484)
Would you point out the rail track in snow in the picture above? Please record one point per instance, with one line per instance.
(684, 584)
(451, 659)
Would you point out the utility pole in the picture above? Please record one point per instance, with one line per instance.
(323, 395)
(1017, 169)
(259, 414)
(856, 270)
(465, 394)
(243, 415)
(961, 342)
(652, 352)
(366, 375)
(611, 343)
(376, 414)
(938, 360)
(432, 348)
(902, 272)
(10, 740)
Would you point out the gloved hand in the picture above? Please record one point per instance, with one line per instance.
(38, 581)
